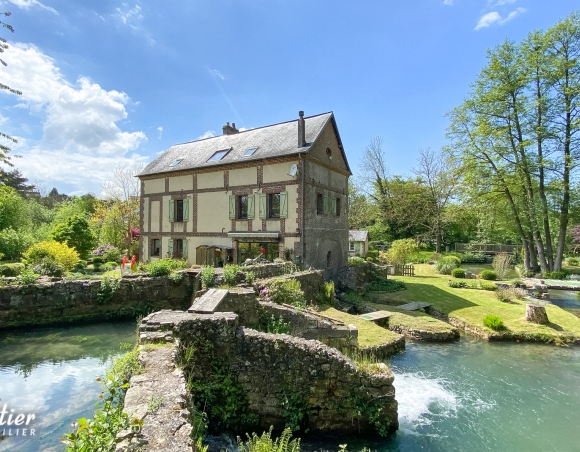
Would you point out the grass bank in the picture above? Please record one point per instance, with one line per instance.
(468, 307)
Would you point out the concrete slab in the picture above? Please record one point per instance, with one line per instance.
(377, 315)
(208, 302)
(414, 306)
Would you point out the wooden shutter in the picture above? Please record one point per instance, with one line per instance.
(284, 204)
(251, 207)
(185, 246)
(325, 208)
(171, 210)
(185, 210)
(333, 206)
(170, 248)
(232, 207)
(263, 212)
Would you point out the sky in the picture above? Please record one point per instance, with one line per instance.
(112, 83)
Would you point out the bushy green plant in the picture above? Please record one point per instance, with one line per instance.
(373, 254)
(13, 243)
(108, 288)
(326, 294)
(250, 277)
(445, 265)
(473, 257)
(400, 251)
(27, 277)
(98, 261)
(49, 267)
(502, 262)
(285, 290)
(386, 285)
(62, 254)
(273, 325)
(113, 254)
(76, 233)
(555, 274)
(458, 272)
(504, 295)
(458, 284)
(354, 261)
(484, 285)
(208, 276)
(517, 283)
(175, 276)
(11, 269)
(231, 274)
(265, 443)
(574, 262)
(353, 297)
(489, 275)
(163, 267)
(80, 266)
(493, 321)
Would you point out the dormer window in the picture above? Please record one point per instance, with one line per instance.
(175, 163)
(218, 155)
(250, 152)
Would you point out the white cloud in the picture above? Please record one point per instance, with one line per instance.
(160, 130)
(132, 18)
(448, 2)
(81, 139)
(207, 134)
(494, 17)
(126, 14)
(27, 4)
(217, 74)
(501, 2)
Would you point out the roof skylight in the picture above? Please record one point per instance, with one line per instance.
(218, 155)
(175, 163)
(250, 152)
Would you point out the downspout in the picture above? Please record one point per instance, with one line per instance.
(303, 210)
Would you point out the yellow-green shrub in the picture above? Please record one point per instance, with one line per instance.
(62, 254)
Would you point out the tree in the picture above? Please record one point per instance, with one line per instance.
(4, 150)
(517, 136)
(17, 181)
(12, 209)
(400, 251)
(441, 178)
(76, 233)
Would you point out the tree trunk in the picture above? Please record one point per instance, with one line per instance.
(536, 314)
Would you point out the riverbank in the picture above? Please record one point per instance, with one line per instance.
(466, 308)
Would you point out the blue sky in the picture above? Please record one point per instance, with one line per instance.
(115, 83)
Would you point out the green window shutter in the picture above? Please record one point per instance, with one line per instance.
(185, 210)
(171, 210)
(232, 207)
(325, 207)
(185, 248)
(251, 207)
(170, 248)
(262, 206)
(333, 206)
(284, 204)
(357, 247)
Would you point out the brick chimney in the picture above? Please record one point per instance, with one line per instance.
(229, 130)
(301, 129)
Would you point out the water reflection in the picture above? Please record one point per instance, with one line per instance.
(51, 373)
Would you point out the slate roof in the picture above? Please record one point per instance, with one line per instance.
(272, 141)
(358, 236)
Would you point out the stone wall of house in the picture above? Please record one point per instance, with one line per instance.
(69, 301)
(267, 367)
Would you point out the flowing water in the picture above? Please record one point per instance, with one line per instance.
(52, 373)
(469, 395)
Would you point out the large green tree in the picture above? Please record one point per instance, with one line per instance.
(76, 233)
(517, 135)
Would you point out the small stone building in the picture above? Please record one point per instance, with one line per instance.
(358, 243)
(277, 191)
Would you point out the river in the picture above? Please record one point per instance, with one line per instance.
(469, 395)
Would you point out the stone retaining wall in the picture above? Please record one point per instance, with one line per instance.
(311, 282)
(267, 366)
(68, 301)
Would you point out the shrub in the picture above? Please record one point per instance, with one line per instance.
(265, 443)
(473, 258)
(326, 294)
(502, 262)
(98, 261)
(231, 274)
(285, 290)
(13, 243)
(446, 264)
(109, 266)
(175, 276)
(108, 288)
(113, 254)
(373, 254)
(76, 233)
(493, 321)
(27, 277)
(250, 277)
(11, 269)
(49, 267)
(163, 267)
(573, 261)
(489, 275)
(369, 259)
(401, 251)
(458, 272)
(517, 283)
(483, 285)
(354, 261)
(504, 295)
(63, 255)
(80, 265)
(458, 284)
(556, 275)
(208, 276)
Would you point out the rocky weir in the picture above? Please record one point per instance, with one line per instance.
(337, 395)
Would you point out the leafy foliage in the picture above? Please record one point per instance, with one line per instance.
(445, 265)
(401, 251)
(489, 275)
(63, 255)
(502, 263)
(163, 267)
(208, 276)
(458, 272)
(231, 274)
(493, 321)
(265, 443)
(326, 294)
(284, 290)
(108, 288)
(11, 269)
(13, 243)
(77, 234)
(294, 405)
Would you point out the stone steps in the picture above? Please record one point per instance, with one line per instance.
(154, 337)
(208, 302)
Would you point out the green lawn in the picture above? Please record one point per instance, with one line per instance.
(414, 320)
(369, 334)
(471, 306)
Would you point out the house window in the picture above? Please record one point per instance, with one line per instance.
(269, 251)
(329, 259)
(178, 248)
(351, 246)
(243, 207)
(175, 163)
(274, 205)
(218, 155)
(156, 247)
(338, 207)
(319, 204)
(179, 210)
(250, 152)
